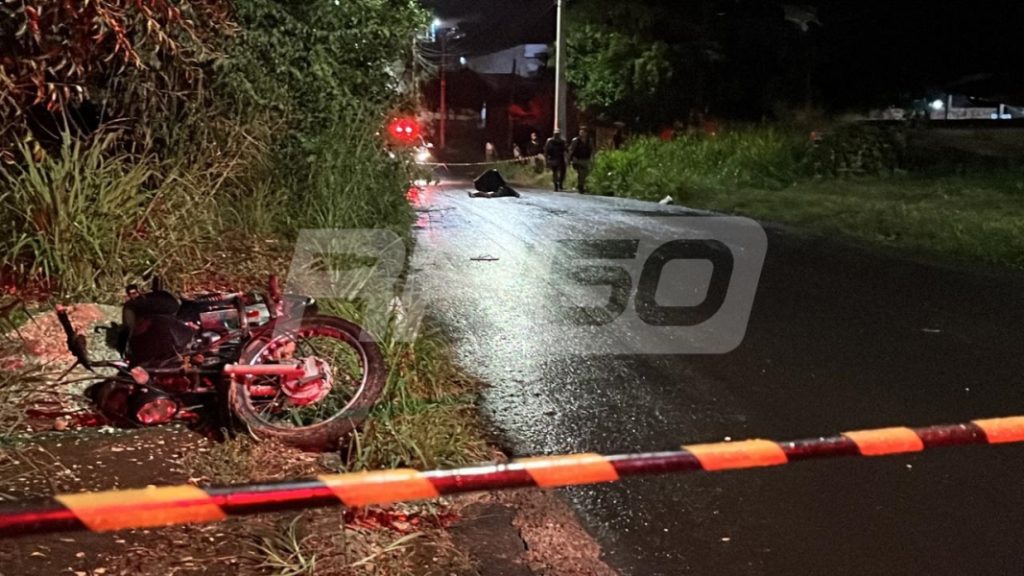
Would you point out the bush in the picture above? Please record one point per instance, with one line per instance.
(650, 168)
(265, 123)
(857, 150)
(128, 61)
(295, 63)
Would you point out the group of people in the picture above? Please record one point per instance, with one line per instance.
(559, 155)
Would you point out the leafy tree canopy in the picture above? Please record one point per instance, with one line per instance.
(649, 62)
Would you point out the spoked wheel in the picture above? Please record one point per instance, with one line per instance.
(343, 376)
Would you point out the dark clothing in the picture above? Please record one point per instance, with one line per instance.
(554, 154)
(582, 168)
(580, 154)
(534, 148)
(580, 150)
(558, 176)
(554, 151)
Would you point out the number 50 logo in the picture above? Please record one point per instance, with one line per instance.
(656, 285)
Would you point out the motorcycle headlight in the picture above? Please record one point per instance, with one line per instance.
(151, 408)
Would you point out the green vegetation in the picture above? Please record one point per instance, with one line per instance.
(195, 139)
(649, 167)
(294, 75)
(650, 63)
(527, 175)
(256, 116)
(850, 185)
(90, 215)
(427, 418)
(971, 219)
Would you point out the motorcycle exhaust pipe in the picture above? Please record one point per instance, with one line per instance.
(282, 370)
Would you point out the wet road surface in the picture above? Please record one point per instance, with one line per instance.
(839, 338)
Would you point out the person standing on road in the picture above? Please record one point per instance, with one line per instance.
(581, 151)
(554, 153)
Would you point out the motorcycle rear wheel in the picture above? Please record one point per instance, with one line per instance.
(321, 435)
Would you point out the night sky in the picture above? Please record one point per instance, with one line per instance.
(869, 51)
(491, 25)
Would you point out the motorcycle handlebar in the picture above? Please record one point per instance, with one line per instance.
(65, 322)
(275, 289)
(75, 341)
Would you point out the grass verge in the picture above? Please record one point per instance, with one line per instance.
(975, 220)
(975, 217)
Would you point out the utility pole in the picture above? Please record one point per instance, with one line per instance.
(444, 89)
(561, 87)
(511, 102)
(415, 82)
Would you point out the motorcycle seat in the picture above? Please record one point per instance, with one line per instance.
(152, 334)
(158, 303)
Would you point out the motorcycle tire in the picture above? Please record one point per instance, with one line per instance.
(326, 435)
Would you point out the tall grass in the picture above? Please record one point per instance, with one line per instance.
(72, 216)
(349, 182)
(91, 216)
(650, 168)
(426, 417)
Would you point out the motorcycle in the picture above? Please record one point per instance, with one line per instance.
(269, 364)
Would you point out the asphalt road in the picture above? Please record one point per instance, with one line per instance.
(839, 338)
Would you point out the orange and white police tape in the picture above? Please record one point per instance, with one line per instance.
(123, 509)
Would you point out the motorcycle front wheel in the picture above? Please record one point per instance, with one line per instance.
(316, 412)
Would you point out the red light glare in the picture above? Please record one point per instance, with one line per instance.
(404, 129)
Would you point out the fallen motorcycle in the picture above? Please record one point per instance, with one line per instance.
(269, 364)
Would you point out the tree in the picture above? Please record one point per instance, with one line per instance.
(650, 62)
(125, 56)
(627, 60)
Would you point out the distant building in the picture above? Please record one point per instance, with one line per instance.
(963, 107)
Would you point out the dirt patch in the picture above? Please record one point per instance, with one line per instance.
(527, 532)
(89, 460)
(43, 337)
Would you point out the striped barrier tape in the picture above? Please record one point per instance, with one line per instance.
(151, 507)
(527, 160)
